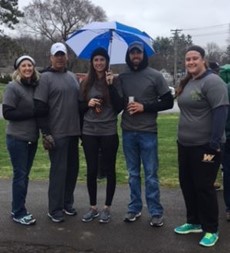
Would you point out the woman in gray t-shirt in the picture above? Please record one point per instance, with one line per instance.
(21, 133)
(203, 103)
(99, 132)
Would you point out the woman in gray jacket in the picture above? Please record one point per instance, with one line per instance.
(21, 133)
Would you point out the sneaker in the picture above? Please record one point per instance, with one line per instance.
(209, 239)
(25, 220)
(130, 217)
(188, 228)
(56, 217)
(70, 211)
(12, 214)
(156, 221)
(105, 216)
(90, 215)
(217, 186)
(228, 215)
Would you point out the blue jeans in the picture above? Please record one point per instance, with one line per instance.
(226, 177)
(142, 147)
(22, 154)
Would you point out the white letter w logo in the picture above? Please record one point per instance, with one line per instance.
(208, 158)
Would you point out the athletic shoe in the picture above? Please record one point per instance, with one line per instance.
(25, 220)
(57, 218)
(130, 217)
(12, 214)
(105, 216)
(70, 211)
(90, 215)
(209, 239)
(217, 186)
(188, 228)
(156, 221)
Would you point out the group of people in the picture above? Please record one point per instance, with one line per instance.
(65, 111)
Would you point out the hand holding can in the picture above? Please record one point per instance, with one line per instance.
(130, 101)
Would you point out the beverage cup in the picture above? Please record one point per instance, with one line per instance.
(131, 99)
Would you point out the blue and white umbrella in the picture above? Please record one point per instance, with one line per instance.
(113, 36)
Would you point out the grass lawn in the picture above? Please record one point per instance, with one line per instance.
(167, 124)
(2, 88)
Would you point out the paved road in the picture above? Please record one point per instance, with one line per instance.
(74, 236)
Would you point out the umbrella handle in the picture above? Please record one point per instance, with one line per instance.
(110, 46)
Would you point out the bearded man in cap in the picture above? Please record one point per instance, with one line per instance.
(145, 92)
(56, 102)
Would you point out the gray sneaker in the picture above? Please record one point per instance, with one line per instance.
(90, 215)
(57, 217)
(25, 220)
(130, 217)
(105, 216)
(70, 211)
(156, 221)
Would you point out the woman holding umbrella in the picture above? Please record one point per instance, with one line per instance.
(99, 130)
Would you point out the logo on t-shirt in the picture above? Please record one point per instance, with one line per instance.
(196, 96)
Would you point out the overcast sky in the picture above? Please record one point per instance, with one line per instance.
(206, 20)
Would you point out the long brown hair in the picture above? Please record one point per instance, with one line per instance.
(182, 84)
(92, 79)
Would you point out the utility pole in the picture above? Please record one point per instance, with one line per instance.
(175, 33)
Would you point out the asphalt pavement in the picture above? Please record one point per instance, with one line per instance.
(74, 236)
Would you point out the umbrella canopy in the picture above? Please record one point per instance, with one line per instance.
(113, 36)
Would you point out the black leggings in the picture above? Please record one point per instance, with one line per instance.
(108, 145)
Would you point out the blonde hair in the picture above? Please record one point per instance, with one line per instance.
(16, 76)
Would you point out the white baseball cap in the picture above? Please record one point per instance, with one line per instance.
(58, 47)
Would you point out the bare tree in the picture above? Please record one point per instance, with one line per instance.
(214, 52)
(56, 19)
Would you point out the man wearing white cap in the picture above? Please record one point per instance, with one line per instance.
(56, 101)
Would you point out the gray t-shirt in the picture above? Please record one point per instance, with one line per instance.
(146, 86)
(103, 123)
(21, 97)
(196, 102)
(61, 92)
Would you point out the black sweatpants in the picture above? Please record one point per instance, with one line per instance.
(108, 145)
(64, 166)
(198, 167)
